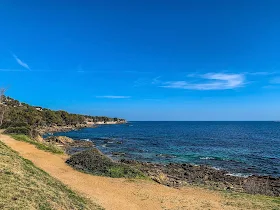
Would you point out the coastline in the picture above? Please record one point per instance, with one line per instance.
(179, 175)
(56, 129)
(122, 193)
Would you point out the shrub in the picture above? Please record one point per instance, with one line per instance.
(7, 124)
(94, 162)
(18, 130)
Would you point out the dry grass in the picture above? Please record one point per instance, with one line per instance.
(24, 186)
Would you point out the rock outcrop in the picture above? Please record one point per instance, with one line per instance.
(63, 140)
(177, 175)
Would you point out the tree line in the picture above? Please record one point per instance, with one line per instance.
(13, 113)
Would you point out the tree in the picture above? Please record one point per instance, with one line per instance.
(2, 106)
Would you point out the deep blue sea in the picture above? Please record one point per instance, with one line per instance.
(242, 148)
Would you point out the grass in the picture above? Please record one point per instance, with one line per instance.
(118, 171)
(238, 200)
(43, 146)
(252, 202)
(24, 186)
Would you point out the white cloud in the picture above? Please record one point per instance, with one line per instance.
(20, 62)
(214, 81)
(113, 97)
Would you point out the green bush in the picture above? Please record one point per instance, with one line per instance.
(13, 124)
(18, 130)
(94, 162)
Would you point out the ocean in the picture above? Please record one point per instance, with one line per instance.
(241, 148)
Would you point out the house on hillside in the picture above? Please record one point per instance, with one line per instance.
(38, 108)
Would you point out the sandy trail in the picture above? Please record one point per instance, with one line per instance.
(117, 194)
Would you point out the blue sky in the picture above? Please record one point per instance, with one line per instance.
(144, 60)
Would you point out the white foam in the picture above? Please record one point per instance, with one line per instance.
(238, 175)
(207, 158)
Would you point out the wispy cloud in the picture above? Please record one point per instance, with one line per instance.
(20, 62)
(261, 73)
(275, 80)
(11, 70)
(210, 81)
(146, 81)
(114, 97)
(141, 82)
(156, 80)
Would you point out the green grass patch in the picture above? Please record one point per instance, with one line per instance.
(43, 146)
(24, 186)
(248, 201)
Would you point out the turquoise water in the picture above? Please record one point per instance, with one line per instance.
(240, 147)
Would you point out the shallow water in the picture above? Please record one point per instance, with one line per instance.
(240, 147)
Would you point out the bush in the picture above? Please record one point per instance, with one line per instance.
(94, 162)
(18, 130)
(14, 124)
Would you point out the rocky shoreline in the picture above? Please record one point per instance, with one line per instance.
(65, 128)
(177, 175)
(55, 129)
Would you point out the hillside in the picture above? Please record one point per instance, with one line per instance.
(24, 186)
(29, 118)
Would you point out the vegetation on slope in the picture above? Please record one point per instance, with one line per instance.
(24, 186)
(250, 202)
(21, 115)
(49, 147)
(94, 162)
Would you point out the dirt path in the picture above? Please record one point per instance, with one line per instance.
(117, 194)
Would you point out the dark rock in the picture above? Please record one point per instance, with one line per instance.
(177, 175)
(81, 143)
(118, 153)
(59, 140)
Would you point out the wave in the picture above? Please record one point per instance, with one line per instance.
(207, 158)
(216, 168)
(166, 156)
(211, 158)
(238, 175)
